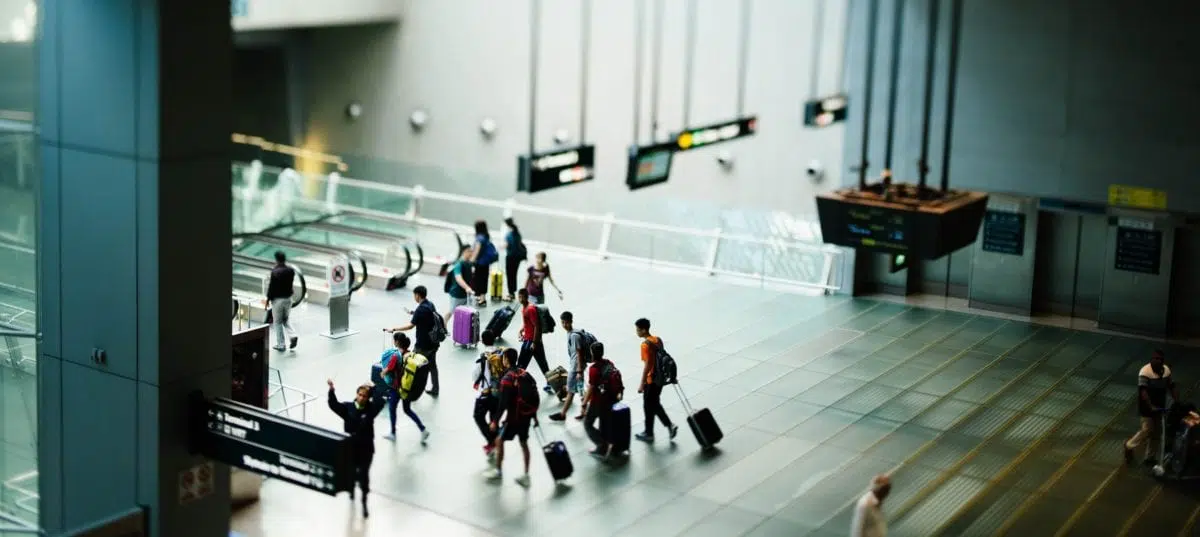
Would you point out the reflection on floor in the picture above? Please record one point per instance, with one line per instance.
(989, 426)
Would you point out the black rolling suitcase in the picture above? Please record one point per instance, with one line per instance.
(500, 320)
(619, 429)
(557, 457)
(702, 422)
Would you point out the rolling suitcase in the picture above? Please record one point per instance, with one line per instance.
(703, 424)
(557, 456)
(500, 320)
(619, 429)
(466, 326)
(496, 286)
(557, 380)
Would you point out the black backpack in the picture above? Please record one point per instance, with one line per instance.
(665, 370)
(586, 339)
(545, 319)
(438, 334)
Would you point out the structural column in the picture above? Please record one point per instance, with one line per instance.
(134, 109)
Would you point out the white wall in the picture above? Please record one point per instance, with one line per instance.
(464, 60)
(281, 14)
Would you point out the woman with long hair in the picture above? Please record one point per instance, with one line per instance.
(514, 254)
(484, 253)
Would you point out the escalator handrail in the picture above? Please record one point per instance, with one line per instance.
(236, 306)
(404, 242)
(358, 282)
(257, 262)
(398, 220)
(420, 259)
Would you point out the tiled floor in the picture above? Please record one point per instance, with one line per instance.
(989, 426)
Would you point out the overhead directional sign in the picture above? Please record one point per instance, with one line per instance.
(649, 165)
(825, 111)
(716, 133)
(561, 167)
(255, 440)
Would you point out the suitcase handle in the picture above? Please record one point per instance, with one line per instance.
(537, 431)
(683, 400)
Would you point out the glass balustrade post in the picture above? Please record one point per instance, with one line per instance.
(606, 230)
(713, 251)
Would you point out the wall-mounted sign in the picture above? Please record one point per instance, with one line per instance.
(1004, 232)
(1137, 197)
(649, 165)
(253, 439)
(825, 111)
(543, 171)
(1138, 250)
(717, 133)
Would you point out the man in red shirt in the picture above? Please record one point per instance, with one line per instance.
(531, 337)
(604, 389)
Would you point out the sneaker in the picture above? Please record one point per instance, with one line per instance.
(598, 453)
(523, 480)
(548, 389)
(280, 349)
(493, 474)
(432, 393)
(292, 344)
(366, 513)
(424, 436)
(557, 416)
(1128, 456)
(390, 436)
(648, 438)
(674, 431)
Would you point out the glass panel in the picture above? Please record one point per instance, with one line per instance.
(19, 177)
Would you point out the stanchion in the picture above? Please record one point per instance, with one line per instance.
(337, 276)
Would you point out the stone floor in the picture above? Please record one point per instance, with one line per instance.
(989, 426)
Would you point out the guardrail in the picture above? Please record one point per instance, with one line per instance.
(27, 501)
(277, 387)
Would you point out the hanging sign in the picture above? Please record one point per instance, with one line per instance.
(337, 276)
(649, 165)
(717, 133)
(825, 111)
(552, 169)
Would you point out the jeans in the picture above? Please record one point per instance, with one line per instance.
(511, 266)
(431, 355)
(652, 405)
(598, 412)
(537, 352)
(486, 407)
(393, 402)
(281, 313)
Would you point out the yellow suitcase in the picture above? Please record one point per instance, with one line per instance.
(496, 286)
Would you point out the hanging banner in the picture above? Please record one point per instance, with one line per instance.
(552, 169)
(825, 111)
(716, 133)
(649, 165)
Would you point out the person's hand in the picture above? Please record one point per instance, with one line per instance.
(641, 388)
(560, 295)
(329, 382)
(388, 330)
(492, 427)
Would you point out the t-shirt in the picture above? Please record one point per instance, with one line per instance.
(456, 290)
(530, 324)
(868, 518)
(423, 323)
(1156, 386)
(513, 246)
(649, 354)
(282, 279)
(537, 280)
(595, 379)
(574, 342)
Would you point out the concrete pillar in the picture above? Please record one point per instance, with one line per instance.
(133, 114)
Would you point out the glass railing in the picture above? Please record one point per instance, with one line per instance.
(748, 247)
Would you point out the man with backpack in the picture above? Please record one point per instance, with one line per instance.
(579, 351)
(519, 400)
(396, 364)
(650, 385)
(604, 389)
(487, 382)
(429, 335)
(531, 336)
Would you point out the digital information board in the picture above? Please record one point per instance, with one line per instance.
(649, 165)
(716, 133)
(1138, 250)
(1004, 232)
(255, 440)
(552, 169)
(825, 111)
(878, 228)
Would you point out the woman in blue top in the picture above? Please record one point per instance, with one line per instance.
(484, 253)
(514, 254)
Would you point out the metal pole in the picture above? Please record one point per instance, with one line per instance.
(893, 90)
(818, 38)
(639, 46)
(535, 33)
(930, 63)
(868, 89)
(689, 65)
(655, 65)
(952, 74)
(585, 63)
(743, 56)
(841, 73)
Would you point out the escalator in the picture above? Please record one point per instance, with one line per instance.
(308, 257)
(393, 258)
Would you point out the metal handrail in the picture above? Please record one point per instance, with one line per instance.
(256, 262)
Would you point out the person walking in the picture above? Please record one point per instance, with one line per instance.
(484, 253)
(531, 337)
(358, 421)
(518, 406)
(429, 327)
(535, 280)
(515, 253)
(579, 353)
(868, 518)
(604, 389)
(458, 282)
(394, 368)
(1154, 384)
(279, 294)
(649, 387)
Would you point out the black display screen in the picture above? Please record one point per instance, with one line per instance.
(716, 133)
(1138, 250)
(1004, 232)
(249, 438)
(825, 111)
(650, 165)
(877, 227)
(552, 169)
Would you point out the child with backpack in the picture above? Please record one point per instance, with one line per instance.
(604, 390)
(652, 381)
(579, 352)
(519, 400)
(401, 372)
(487, 383)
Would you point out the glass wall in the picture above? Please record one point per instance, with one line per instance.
(19, 180)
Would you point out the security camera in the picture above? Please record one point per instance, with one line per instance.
(814, 170)
(725, 159)
(487, 127)
(561, 137)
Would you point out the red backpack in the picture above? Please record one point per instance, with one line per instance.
(526, 390)
(610, 380)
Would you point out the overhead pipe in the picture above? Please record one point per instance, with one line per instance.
(930, 64)
(893, 89)
(639, 49)
(655, 66)
(689, 65)
(952, 88)
(743, 55)
(585, 65)
(818, 38)
(535, 39)
(868, 90)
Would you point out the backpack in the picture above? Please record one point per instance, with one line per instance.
(545, 319)
(390, 359)
(528, 397)
(518, 247)
(586, 339)
(487, 253)
(438, 333)
(665, 370)
(610, 383)
(415, 376)
(494, 361)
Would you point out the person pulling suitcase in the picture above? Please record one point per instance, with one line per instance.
(653, 379)
(602, 403)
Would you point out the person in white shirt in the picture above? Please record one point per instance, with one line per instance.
(868, 516)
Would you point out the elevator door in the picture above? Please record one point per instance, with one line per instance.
(1069, 270)
(1185, 310)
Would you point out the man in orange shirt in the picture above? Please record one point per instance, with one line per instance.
(649, 387)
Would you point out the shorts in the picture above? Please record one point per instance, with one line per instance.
(574, 383)
(456, 302)
(515, 428)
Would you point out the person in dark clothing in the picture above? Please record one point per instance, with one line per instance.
(514, 254)
(358, 421)
(487, 382)
(517, 418)
(598, 400)
(649, 387)
(279, 295)
(426, 321)
(1154, 384)
(484, 253)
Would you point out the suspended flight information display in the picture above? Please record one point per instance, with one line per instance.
(825, 112)
(649, 165)
(552, 169)
(716, 133)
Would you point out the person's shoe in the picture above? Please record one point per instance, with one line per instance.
(548, 389)
(424, 436)
(644, 437)
(523, 480)
(674, 429)
(598, 453)
(390, 436)
(1128, 455)
(493, 474)
(579, 417)
(558, 416)
(432, 393)
(293, 342)
(366, 513)
(352, 496)
(280, 349)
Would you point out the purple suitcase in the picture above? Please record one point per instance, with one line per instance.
(466, 326)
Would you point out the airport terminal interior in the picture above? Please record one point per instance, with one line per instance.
(937, 244)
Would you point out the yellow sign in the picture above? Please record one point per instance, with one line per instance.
(1137, 197)
(685, 140)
